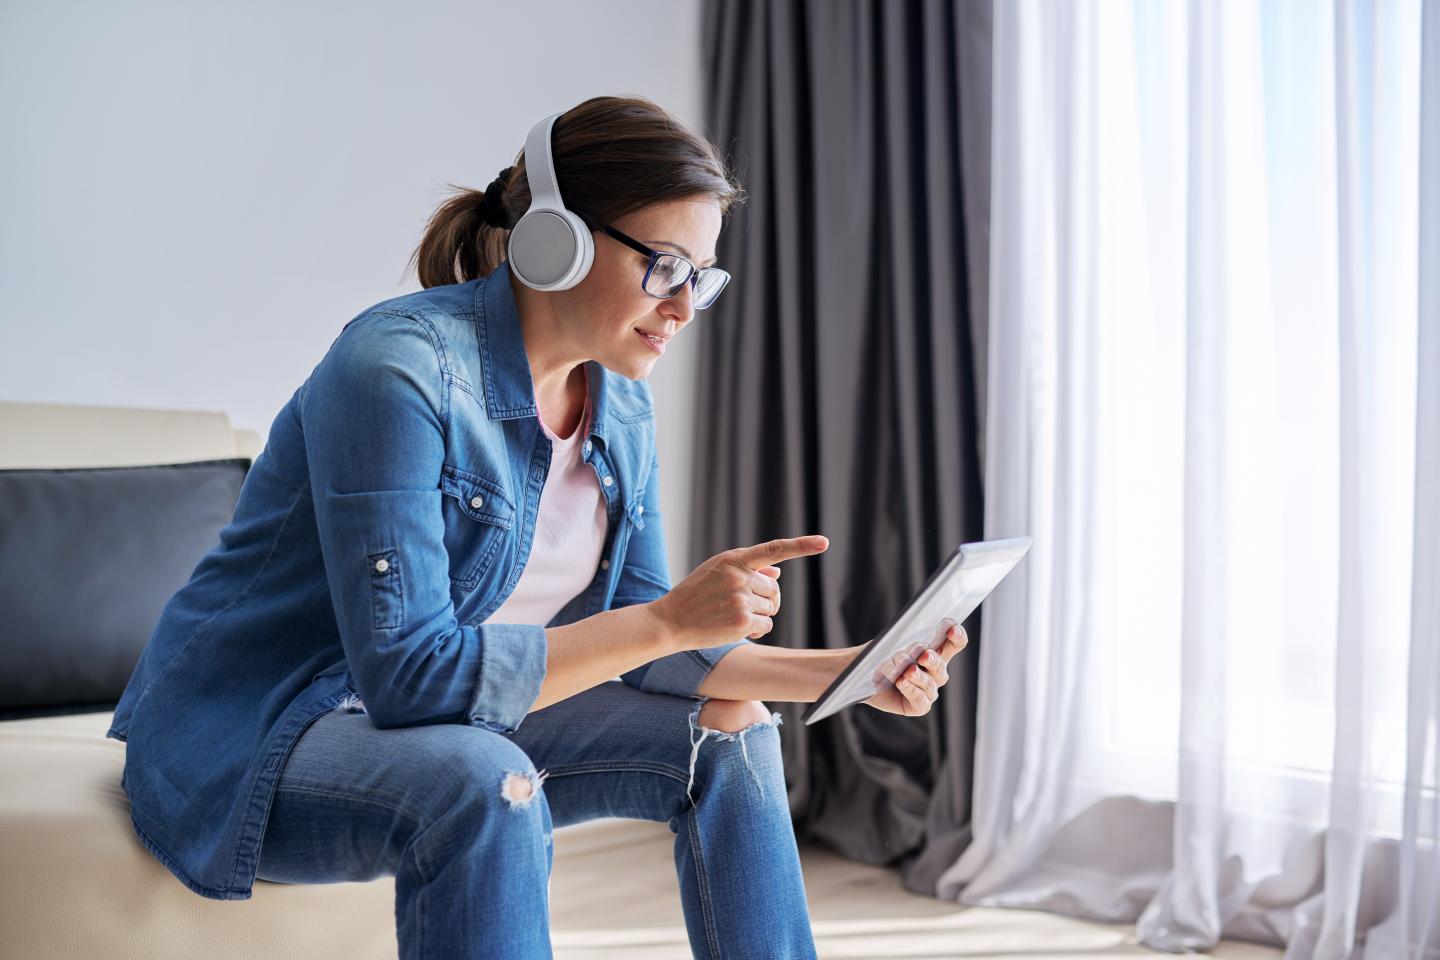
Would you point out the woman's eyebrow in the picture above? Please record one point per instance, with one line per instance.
(667, 243)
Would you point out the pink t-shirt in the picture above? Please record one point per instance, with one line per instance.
(569, 534)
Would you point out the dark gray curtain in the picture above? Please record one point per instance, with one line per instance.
(841, 372)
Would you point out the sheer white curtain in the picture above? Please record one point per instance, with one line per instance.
(1210, 698)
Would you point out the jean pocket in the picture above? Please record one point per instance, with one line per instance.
(387, 594)
(479, 518)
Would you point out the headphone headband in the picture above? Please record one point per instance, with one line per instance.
(540, 167)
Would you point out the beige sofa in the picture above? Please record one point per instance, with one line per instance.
(74, 881)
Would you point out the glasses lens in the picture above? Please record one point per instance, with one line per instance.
(712, 281)
(669, 274)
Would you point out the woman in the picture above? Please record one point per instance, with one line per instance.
(356, 682)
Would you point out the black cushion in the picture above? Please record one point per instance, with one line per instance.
(88, 559)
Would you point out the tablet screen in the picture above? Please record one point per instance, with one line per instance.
(950, 595)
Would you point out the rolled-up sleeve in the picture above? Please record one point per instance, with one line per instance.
(645, 577)
(373, 415)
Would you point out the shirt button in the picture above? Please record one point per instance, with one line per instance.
(477, 502)
(640, 509)
(586, 449)
(608, 481)
(382, 565)
(604, 564)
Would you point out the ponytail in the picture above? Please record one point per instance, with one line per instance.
(458, 244)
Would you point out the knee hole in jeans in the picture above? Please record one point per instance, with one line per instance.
(732, 716)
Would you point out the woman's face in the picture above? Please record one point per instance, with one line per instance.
(608, 312)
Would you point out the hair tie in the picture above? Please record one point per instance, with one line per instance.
(492, 208)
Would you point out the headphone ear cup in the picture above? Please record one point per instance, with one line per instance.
(551, 249)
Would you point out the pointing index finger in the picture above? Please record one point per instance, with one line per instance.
(776, 551)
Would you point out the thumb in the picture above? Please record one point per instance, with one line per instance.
(772, 572)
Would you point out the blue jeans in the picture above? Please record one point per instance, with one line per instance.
(461, 816)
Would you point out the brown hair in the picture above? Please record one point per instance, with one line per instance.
(612, 155)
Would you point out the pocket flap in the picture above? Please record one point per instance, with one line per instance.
(636, 510)
(479, 498)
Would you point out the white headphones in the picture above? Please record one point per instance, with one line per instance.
(550, 247)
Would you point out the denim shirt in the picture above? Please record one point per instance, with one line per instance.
(391, 511)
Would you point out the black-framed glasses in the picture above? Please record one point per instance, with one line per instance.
(668, 273)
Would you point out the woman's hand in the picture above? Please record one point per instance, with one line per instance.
(733, 594)
(911, 680)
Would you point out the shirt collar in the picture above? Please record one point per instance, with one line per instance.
(508, 386)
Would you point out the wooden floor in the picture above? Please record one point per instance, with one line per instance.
(614, 895)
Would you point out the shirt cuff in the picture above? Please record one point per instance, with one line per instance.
(681, 673)
(512, 667)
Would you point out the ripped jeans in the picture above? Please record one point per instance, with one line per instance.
(462, 818)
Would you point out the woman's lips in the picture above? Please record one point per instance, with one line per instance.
(654, 343)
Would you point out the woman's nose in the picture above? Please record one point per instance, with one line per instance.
(681, 306)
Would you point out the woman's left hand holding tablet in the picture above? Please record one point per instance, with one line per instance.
(911, 693)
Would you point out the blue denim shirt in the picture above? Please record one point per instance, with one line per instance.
(391, 512)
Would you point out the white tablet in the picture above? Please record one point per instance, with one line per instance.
(950, 595)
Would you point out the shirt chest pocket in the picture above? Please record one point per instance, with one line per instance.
(479, 524)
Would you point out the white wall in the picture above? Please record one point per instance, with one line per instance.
(196, 197)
